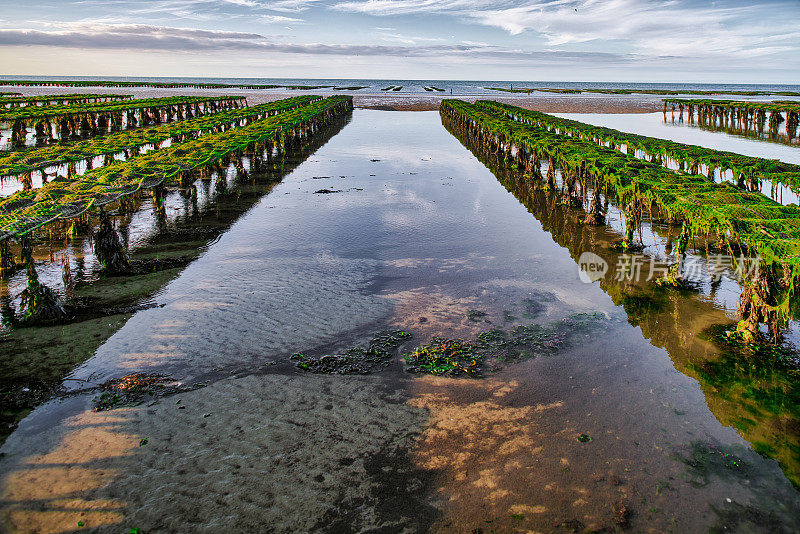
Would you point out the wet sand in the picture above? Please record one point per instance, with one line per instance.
(292, 453)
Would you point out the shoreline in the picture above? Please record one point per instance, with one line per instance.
(548, 103)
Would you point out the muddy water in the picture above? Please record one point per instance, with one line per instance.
(633, 422)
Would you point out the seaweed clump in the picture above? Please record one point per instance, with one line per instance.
(705, 460)
(456, 357)
(356, 360)
(40, 303)
(133, 389)
(108, 248)
(443, 356)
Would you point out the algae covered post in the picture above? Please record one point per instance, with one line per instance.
(744, 220)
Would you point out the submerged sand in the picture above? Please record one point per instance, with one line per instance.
(294, 453)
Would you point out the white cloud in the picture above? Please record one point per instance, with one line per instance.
(273, 19)
(92, 35)
(650, 27)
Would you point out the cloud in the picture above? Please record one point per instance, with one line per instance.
(197, 10)
(650, 27)
(99, 36)
(408, 39)
(273, 19)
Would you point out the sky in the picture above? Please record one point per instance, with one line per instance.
(726, 41)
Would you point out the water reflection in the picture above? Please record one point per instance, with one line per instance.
(756, 391)
(782, 132)
(165, 235)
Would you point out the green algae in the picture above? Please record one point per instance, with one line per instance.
(443, 356)
(456, 357)
(753, 394)
(747, 168)
(705, 460)
(492, 348)
(741, 220)
(476, 316)
(771, 229)
(159, 85)
(780, 106)
(30, 209)
(38, 358)
(56, 100)
(355, 360)
(28, 113)
(643, 91)
(25, 161)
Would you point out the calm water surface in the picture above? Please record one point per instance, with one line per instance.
(419, 234)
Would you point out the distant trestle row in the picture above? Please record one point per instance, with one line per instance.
(753, 117)
(61, 122)
(69, 159)
(57, 100)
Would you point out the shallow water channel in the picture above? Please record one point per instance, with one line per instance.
(627, 415)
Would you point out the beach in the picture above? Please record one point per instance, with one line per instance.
(547, 102)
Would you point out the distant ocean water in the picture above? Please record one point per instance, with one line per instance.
(458, 87)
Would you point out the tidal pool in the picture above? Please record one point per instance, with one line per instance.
(636, 418)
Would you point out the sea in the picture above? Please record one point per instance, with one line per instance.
(455, 87)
